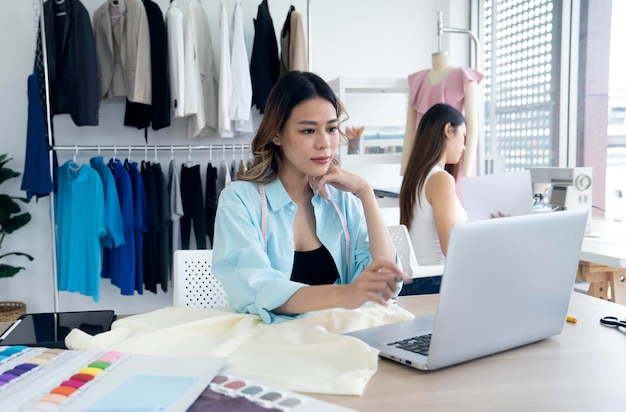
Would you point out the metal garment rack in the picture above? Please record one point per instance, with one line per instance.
(223, 147)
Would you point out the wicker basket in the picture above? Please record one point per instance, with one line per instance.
(10, 311)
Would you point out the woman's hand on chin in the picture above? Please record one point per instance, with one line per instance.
(341, 180)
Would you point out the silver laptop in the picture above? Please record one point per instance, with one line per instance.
(507, 282)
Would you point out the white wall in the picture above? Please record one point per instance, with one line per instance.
(360, 38)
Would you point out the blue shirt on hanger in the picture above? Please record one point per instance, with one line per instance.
(79, 216)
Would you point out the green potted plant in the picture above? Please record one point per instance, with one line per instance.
(11, 219)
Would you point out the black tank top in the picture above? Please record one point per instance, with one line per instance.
(314, 267)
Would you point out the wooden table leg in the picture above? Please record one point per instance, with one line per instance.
(602, 278)
(618, 286)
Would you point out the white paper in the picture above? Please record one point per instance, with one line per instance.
(510, 193)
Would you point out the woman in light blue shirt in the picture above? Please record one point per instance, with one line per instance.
(295, 233)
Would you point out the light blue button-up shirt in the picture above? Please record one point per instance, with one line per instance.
(257, 281)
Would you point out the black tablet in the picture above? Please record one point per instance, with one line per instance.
(50, 329)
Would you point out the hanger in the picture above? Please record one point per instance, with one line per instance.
(189, 162)
(115, 14)
(114, 153)
(171, 152)
(128, 158)
(98, 150)
(73, 165)
(145, 153)
(155, 155)
(61, 13)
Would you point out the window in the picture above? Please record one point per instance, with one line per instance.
(520, 84)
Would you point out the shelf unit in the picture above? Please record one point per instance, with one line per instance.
(345, 86)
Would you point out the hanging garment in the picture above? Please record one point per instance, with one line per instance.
(176, 59)
(264, 63)
(210, 203)
(233, 170)
(36, 179)
(200, 74)
(150, 239)
(163, 259)
(72, 62)
(176, 206)
(193, 206)
(123, 50)
(293, 48)
(140, 221)
(241, 101)
(225, 92)
(119, 263)
(113, 214)
(156, 114)
(79, 216)
(223, 177)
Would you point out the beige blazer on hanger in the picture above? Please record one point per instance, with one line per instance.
(123, 50)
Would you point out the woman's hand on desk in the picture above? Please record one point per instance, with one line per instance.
(377, 283)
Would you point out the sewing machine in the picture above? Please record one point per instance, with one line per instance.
(560, 188)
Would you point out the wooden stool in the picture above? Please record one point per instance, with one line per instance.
(602, 278)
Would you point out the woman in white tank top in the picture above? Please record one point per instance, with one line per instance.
(429, 206)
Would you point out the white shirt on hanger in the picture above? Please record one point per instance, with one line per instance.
(241, 102)
(200, 73)
(176, 56)
(224, 127)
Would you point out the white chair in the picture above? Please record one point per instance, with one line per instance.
(406, 253)
(194, 285)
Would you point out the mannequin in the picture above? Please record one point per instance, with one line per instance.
(432, 81)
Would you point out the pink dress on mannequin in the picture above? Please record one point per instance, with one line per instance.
(423, 94)
(451, 90)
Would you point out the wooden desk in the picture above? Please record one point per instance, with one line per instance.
(603, 260)
(581, 369)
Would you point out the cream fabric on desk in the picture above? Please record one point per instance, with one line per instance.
(307, 354)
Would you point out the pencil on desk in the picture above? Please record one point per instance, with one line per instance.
(571, 319)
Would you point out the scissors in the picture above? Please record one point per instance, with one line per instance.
(612, 321)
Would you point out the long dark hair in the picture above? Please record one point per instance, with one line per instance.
(430, 143)
(291, 89)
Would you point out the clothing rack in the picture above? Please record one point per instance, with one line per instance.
(177, 147)
(47, 109)
(52, 148)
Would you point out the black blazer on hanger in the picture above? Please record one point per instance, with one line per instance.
(72, 61)
(141, 115)
(264, 63)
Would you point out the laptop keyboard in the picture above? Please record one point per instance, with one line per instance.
(416, 344)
